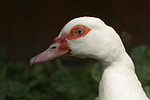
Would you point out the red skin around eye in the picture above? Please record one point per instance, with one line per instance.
(73, 35)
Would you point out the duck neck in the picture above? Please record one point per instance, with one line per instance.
(119, 81)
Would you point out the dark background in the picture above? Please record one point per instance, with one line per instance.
(28, 26)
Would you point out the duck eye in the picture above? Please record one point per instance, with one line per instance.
(79, 31)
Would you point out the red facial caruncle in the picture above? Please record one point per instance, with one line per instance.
(78, 32)
(62, 41)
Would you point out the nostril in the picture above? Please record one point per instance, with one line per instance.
(52, 48)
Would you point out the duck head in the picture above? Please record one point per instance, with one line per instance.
(83, 37)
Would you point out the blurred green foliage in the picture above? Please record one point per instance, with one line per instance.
(52, 80)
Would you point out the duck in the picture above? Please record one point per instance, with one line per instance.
(90, 37)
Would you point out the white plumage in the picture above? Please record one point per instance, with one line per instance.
(91, 37)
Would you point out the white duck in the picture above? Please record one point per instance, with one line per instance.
(91, 37)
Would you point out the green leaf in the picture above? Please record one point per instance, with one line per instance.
(38, 69)
(97, 98)
(3, 73)
(143, 72)
(147, 90)
(141, 58)
(60, 65)
(14, 89)
(141, 54)
(60, 81)
(2, 93)
(96, 72)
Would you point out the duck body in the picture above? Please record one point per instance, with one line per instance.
(91, 37)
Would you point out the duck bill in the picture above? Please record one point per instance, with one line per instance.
(55, 50)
